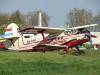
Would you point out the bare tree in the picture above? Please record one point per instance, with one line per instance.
(97, 21)
(34, 19)
(3, 18)
(97, 18)
(79, 17)
(17, 18)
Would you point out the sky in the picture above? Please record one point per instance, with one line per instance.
(56, 9)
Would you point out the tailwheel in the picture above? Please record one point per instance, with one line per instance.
(79, 52)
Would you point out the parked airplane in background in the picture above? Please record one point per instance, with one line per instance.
(42, 38)
(96, 40)
(2, 40)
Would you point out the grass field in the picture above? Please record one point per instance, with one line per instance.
(49, 63)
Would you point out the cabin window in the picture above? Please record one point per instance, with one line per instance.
(18, 29)
(27, 36)
(35, 33)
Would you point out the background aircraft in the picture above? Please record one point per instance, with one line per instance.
(2, 40)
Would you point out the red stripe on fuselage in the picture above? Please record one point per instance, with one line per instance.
(10, 29)
(76, 42)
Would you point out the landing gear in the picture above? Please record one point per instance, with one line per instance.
(78, 52)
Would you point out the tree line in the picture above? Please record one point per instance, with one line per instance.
(75, 17)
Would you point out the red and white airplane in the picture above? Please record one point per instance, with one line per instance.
(43, 38)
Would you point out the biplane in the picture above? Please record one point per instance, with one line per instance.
(44, 38)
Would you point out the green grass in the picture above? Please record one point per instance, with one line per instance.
(49, 63)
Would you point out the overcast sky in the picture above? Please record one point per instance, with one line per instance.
(56, 9)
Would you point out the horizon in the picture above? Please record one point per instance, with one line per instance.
(56, 11)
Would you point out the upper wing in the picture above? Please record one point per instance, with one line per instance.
(52, 31)
(57, 31)
(85, 26)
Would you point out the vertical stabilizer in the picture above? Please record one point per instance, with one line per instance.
(11, 31)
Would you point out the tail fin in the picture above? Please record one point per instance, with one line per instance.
(11, 31)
